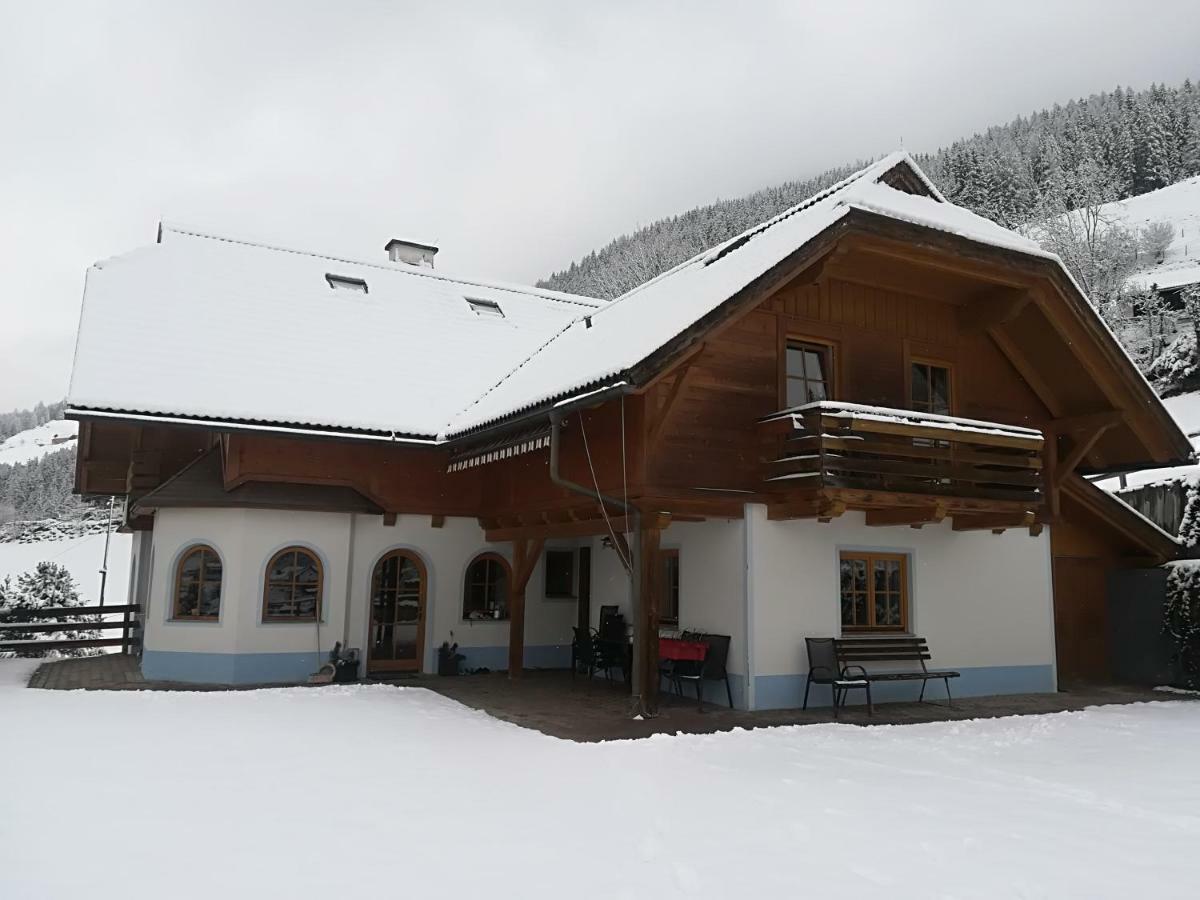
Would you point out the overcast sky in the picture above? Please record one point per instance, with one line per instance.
(517, 136)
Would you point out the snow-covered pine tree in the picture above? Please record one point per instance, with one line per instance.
(51, 586)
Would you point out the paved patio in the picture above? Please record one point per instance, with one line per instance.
(580, 709)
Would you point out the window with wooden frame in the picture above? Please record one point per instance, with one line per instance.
(485, 592)
(668, 613)
(930, 387)
(198, 585)
(808, 372)
(293, 587)
(560, 573)
(874, 591)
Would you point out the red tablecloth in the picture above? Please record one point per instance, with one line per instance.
(673, 648)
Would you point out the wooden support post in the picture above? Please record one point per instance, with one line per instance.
(646, 647)
(1050, 480)
(526, 553)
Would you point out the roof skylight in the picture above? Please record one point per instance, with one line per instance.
(485, 307)
(346, 283)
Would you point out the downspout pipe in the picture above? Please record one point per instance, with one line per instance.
(634, 565)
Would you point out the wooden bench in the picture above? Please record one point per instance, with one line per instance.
(856, 653)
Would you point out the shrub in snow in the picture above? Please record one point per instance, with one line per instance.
(1189, 526)
(1175, 365)
(1181, 619)
(48, 586)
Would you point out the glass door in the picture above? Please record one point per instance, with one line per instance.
(397, 639)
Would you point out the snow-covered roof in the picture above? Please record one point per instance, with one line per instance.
(203, 326)
(635, 325)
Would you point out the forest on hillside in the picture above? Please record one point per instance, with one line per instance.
(1034, 169)
(23, 419)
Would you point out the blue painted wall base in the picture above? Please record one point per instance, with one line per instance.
(787, 691)
(537, 656)
(294, 668)
(230, 668)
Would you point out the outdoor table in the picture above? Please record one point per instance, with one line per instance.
(678, 650)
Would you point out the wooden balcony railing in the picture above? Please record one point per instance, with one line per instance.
(844, 445)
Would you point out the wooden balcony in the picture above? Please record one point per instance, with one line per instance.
(889, 457)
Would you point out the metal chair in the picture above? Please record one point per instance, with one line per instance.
(711, 669)
(823, 669)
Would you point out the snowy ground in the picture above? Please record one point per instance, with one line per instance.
(382, 791)
(35, 442)
(1178, 204)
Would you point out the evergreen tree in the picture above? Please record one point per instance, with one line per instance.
(50, 586)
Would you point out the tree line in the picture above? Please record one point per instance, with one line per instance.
(41, 488)
(1106, 147)
(23, 419)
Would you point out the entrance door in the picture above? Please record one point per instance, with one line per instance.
(397, 639)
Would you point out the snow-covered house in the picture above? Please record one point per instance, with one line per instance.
(868, 415)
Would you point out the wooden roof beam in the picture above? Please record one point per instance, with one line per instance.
(992, 309)
(1026, 370)
(914, 517)
(995, 523)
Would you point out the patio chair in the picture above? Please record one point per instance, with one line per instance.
(823, 669)
(583, 652)
(712, 669)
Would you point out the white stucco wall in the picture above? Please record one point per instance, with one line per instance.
(446, 552)
(983, 601)
(347, 546)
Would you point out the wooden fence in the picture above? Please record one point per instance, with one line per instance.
(34, 621)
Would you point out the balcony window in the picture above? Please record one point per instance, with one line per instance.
(930, 389)
(809, 372)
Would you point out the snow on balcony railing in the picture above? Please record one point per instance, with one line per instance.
(849, 445)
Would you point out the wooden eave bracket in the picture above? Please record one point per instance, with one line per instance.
(1085, 431)
(663, 415)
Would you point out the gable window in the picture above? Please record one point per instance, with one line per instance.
(485, 594)
(930, 389)
(874, 591)
(808, 373)
(198, 585)
(292, 592)
(669, 613)
(560, 573)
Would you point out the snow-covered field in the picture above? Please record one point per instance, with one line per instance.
(35, 442)
(385, 791)
(1178, 204)
(82, 556)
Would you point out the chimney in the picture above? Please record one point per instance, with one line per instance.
(411, 252)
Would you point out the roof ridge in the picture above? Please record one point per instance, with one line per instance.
(892, 159)
(529, 290)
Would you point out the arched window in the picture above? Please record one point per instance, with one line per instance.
(198, 585)
(292, 592)
(485, 594)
